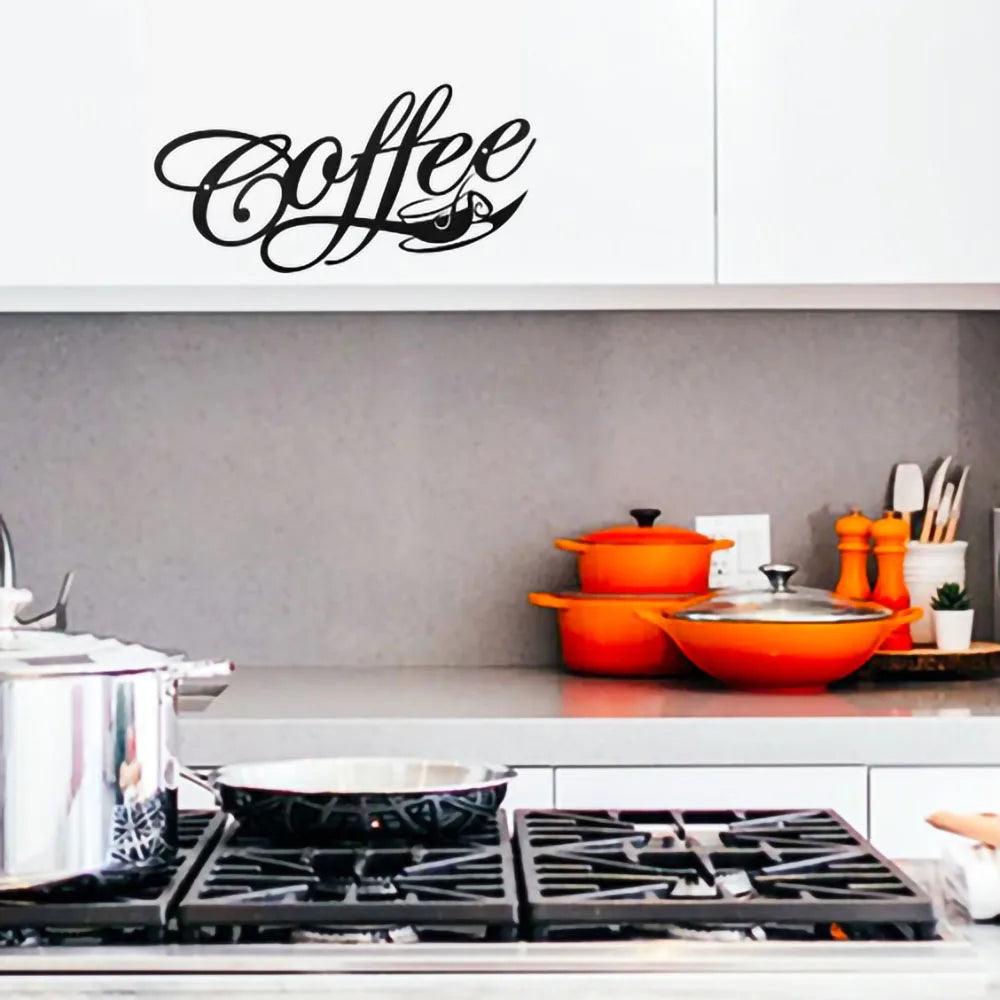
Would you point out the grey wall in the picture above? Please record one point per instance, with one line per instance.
(369, 489)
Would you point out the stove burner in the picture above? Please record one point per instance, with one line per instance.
(109, 908)
(710, 868)
(250, 888)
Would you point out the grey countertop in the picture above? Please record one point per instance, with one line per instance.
(538, 716)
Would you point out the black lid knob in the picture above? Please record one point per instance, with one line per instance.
(645, 516)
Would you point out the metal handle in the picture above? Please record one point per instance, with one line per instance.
(645, 517)
(205, 784)
(8, 574)
(778, 575)
(186, 670)
(55, 618)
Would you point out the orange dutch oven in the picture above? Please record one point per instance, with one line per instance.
(781, 638)
(603, 633)
(644, 559)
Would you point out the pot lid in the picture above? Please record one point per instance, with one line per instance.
(780, 602)
(646, 532)
(27, 652)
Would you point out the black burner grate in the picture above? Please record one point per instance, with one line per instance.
(709, 868)
(251, 888)
(113, 909)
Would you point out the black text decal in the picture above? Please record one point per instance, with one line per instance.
(321, 204)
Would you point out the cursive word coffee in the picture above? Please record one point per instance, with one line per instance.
(321, 205)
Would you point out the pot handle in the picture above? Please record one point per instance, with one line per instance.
(719, 544)
(905, 617)
(205, 784)
(189, 670)
(572, 545)
(661, 619)
(541, 600)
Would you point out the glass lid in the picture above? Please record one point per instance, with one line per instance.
(646, 532)
(781, 602)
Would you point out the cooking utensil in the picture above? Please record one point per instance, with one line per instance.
(601, 634)
(908, 490)
(934, 499)
(643, 558)
(956, 506)
(943, 513)
(88, 781)
(88, 771)
(779, 638)
(359, 797)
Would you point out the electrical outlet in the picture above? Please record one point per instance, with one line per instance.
(738, 566)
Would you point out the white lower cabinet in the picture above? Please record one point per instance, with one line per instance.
(531, 789)
(843, 789)
(192, 796)
(902, 798)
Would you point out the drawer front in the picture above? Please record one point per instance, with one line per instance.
(843, 789)
(531, 789)
(902, 797)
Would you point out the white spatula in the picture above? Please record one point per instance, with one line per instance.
(908, 490)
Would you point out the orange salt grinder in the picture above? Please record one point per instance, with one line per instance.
(853, 530)
(891, 534)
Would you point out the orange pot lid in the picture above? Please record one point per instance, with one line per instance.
(645, 532)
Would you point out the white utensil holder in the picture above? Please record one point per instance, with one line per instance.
(925, 567)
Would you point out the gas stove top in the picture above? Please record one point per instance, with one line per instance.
(592, 876)
(726, 874)
(252, 889)
(110, 911)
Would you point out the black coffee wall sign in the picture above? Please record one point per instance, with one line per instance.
(306, 207)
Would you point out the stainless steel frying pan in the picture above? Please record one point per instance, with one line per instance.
(360, 797)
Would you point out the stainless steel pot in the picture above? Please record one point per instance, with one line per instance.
(88, 766)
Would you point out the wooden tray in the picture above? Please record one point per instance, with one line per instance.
(981, 659)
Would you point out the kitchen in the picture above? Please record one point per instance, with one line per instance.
(753, 270)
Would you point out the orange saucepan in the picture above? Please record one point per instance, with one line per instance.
(643, 559)
(603, 633)
(802, 641)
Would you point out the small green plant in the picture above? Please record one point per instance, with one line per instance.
(951, 597)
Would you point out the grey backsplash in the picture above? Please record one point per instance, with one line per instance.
(371, 489)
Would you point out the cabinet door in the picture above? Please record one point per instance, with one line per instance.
(857, 141)
(531, 789)
(843, 789)
(603, 124)
(902, 798)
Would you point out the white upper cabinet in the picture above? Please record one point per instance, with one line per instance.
(247, 143)
(858, 141)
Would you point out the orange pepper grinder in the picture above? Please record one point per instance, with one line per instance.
(891, 534)
(854, 530)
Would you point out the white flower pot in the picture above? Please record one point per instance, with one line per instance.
(953, 630)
